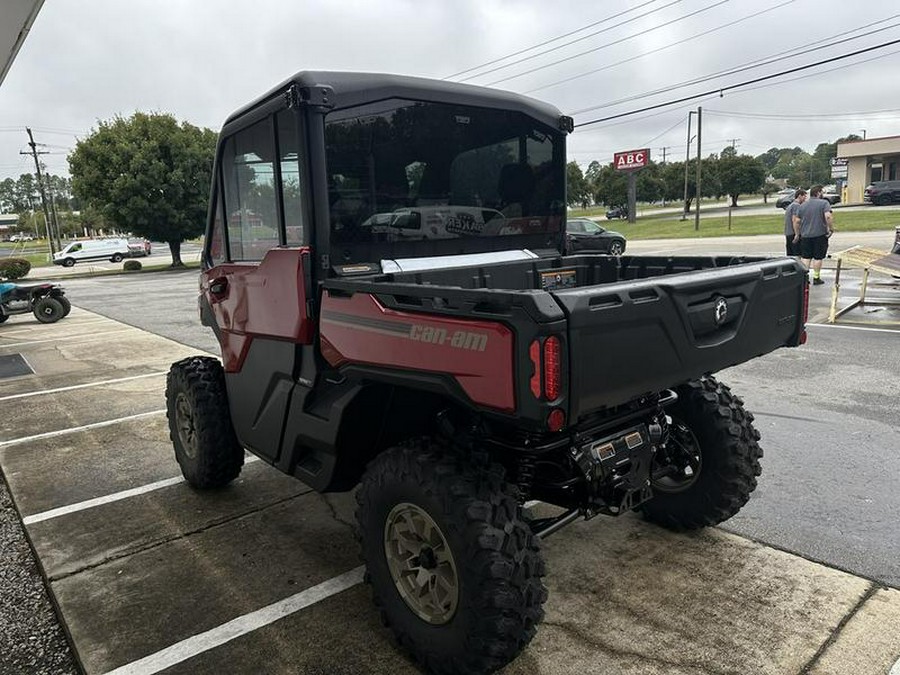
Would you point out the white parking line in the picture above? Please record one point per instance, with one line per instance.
(6, 334)
(67, 337)
(79, 386)
(72, 430)
(833, 325)
(109, 499)
(215, 637)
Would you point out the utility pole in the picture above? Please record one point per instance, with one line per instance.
(699, 132)
(37, 167)
(687, 157)
(663, 149)
(733, 142)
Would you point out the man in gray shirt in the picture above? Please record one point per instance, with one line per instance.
(813, 224)
(791, 238)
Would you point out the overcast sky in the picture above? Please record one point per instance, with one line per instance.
(89, 60)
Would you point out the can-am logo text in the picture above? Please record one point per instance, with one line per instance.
(461, 339)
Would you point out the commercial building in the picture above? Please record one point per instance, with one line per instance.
(868, 161)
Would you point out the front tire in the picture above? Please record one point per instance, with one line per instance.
(69, 262)
(206, 447)
(455, 570)
(709, 467)
(617, 247)
(48, 310)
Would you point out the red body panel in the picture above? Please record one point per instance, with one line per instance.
(478, 354)
(260, 299)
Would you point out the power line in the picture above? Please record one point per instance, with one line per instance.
(571, 42)
(608, 44)
(659, 49)
(722, 90)
(750, 65)
(547, 42)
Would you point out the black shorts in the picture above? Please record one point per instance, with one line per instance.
(790, 248)
(814, 247)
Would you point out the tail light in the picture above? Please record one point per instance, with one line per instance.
(534, 353)
(552, 367)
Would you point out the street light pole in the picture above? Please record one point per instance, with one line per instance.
(699, 132)
(864, 133)
(687, 156)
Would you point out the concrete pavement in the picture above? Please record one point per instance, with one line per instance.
(151, 576)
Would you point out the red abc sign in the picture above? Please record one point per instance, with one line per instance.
(632, 159)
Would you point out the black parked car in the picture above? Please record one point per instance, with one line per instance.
(583, 234)
(882, 192)
(617, 212)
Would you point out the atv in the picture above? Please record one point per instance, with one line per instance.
(48, 302)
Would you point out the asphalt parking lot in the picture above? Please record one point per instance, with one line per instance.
(150, 576)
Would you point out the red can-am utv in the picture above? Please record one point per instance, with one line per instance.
(383, 269)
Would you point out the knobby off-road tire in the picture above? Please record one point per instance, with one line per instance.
(67, 306)
(723, 434)
(206, 447)
(49, 310)
(469, 531)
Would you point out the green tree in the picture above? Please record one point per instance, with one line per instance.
(577, 190)
(739, 174)
(611, 186)
(147, 174)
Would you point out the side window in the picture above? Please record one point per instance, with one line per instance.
(75, 248)
(217, 238)
(249, 179)
(575, 226)
(289, 156)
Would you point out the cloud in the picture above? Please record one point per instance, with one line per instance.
(94, 59)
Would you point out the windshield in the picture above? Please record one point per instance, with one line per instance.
(406, 171)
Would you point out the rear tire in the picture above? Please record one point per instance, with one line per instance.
(48, 310)
(67, 306)
(206, 447)
(117, 258)
(716, 437)
(476, 596)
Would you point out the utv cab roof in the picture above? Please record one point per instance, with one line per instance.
(337, 89)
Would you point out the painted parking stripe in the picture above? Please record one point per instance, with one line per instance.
(81, 386)
(114, 497)
(74, 430)
(215, 637)
(8, 334)
(871, 330)
(66, 337)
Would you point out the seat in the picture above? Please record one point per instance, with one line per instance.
(515, 187)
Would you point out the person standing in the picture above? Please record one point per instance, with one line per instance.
(792, 238)
(814, 224)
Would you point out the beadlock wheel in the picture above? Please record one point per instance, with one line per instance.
(421, 563)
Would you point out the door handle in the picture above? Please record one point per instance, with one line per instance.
(218, 286)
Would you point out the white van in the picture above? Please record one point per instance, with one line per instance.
(113, 250)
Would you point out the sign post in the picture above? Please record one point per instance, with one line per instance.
(631, 161)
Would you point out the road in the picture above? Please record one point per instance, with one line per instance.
(828, 412)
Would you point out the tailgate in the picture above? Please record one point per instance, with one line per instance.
(629, 338)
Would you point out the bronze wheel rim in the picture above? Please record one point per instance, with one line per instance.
(184, 423)
(421, 563)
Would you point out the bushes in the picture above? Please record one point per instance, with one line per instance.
(132, 265)
(14, 268)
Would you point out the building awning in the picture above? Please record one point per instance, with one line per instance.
(16, 19)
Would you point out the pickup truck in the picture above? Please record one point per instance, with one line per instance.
(384, 269)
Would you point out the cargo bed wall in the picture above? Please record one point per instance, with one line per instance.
(636, 337)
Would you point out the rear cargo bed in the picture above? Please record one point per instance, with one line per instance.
(634, 324)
